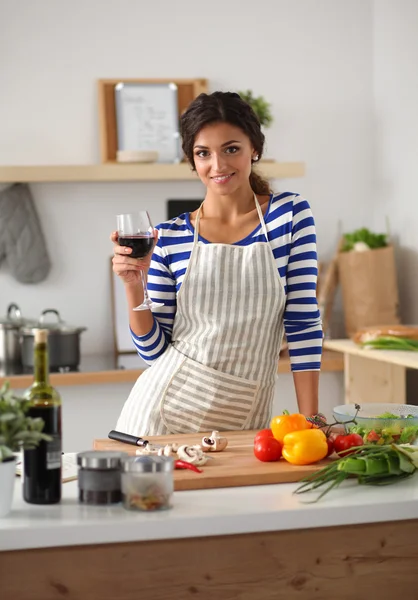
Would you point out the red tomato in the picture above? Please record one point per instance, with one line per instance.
(267, 449)
(343, 443)
(263, 434)
(331, 448)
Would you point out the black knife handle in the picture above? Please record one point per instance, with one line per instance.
(126, 438)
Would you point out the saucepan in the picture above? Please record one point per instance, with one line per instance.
(63, 342)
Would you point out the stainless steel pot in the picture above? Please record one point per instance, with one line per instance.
(63, 343)
(10, 352)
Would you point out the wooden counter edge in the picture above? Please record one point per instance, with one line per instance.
(331, 362)
(308, 564)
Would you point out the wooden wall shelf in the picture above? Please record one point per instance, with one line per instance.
(131, 172)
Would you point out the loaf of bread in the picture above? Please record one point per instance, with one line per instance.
(409, 332)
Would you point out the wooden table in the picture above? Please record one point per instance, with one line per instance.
(373, 375)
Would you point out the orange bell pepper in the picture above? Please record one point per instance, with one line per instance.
(305, 447)
(285, 423)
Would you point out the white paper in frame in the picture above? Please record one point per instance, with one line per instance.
(147, 119)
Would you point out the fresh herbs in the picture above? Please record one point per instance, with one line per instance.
(365, 236)
(371, 465)
(17, 430)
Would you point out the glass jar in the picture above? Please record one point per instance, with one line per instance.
(147, 482)
(99, 476)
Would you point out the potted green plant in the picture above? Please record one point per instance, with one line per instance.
(18, 431)
(260, 106)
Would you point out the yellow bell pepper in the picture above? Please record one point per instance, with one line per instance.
(285, 423)
(305, 447)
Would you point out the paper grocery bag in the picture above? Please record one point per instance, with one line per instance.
(369, 288)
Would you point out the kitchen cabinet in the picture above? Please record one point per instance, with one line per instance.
(254, 542)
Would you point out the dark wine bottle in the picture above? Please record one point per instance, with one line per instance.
(42, 465)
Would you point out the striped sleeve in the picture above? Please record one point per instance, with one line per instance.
(162, 288)
(302, 319)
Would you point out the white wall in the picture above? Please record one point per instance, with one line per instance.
(311, 58)
(395, 53)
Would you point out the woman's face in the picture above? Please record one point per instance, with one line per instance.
(222, 156)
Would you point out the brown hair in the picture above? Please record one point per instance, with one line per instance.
(224, 107)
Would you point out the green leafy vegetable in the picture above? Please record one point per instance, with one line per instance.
(373, 240)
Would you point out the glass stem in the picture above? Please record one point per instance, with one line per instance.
(144, 285)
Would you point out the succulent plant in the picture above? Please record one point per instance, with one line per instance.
(17, 430)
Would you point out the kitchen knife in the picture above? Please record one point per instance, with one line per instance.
(119, 436)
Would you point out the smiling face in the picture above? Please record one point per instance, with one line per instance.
(222, 155)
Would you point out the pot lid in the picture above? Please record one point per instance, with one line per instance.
(56, 326)
(14, 319)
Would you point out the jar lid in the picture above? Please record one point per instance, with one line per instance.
(147, 464)
(100, 459)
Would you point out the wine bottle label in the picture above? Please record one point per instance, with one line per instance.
(53, 453)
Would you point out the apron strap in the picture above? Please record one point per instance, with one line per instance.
(260, 216)
(196, 226)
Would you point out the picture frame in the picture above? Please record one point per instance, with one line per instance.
(147, 119)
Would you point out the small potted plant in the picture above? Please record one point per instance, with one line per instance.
(18, 432)
(260, 106)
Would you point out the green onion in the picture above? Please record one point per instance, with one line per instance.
(372, 465)
(390, 342)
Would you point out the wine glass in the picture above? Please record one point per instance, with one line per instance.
(135, 230)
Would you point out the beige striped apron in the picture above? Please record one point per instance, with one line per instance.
(220, 369)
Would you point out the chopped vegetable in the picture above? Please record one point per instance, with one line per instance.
(286, 423)
(372, 465)
(388, 415)
(305, 447)
(386, 435)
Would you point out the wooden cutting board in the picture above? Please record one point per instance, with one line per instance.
(233, 467)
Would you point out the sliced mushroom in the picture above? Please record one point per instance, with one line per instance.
(192, 454)
(168, 450)
(214, 443)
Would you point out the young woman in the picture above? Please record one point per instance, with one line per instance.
(234, 276)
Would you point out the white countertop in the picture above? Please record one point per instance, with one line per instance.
(203, 513)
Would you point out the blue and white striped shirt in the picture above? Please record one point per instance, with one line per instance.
(291, 232)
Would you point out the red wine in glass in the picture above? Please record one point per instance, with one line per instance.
(141, 245)
(135, 230)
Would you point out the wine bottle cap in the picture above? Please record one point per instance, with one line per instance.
(41, 336)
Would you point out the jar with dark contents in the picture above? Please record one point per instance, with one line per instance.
(147, 482)
(99, 476)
